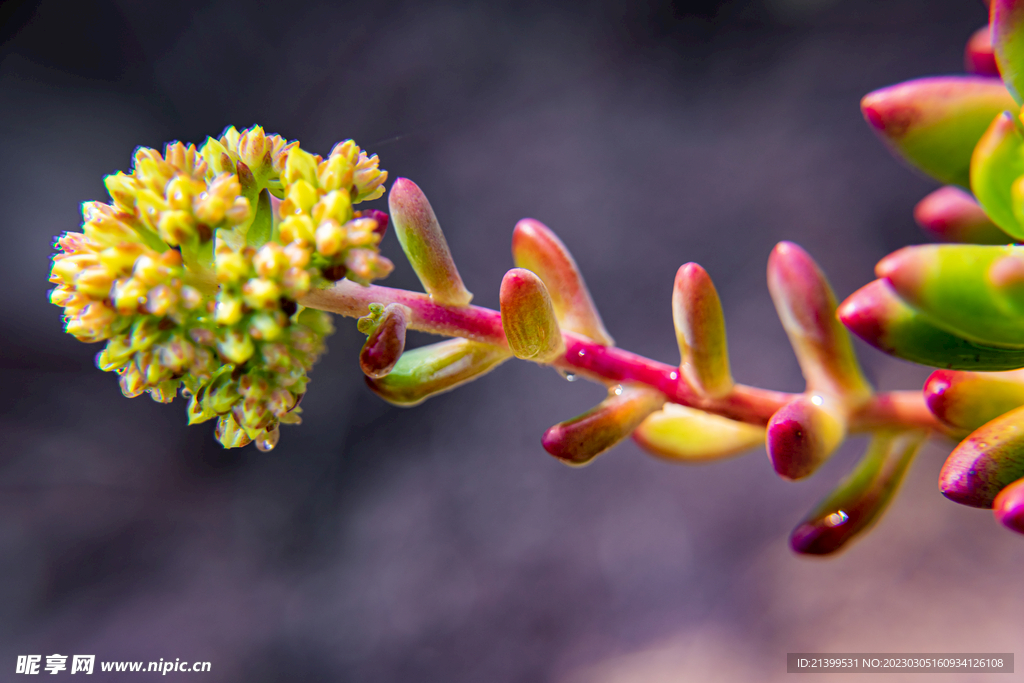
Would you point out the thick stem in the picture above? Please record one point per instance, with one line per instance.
(609, 365)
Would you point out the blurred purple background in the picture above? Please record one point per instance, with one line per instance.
(441, 543)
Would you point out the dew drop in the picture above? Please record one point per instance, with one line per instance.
(673, 375)
(582, 353)
(569, 376)
(617, 390)
(269, 439)
(836, 518)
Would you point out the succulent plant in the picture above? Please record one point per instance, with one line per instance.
(960, 306)
(213, 270)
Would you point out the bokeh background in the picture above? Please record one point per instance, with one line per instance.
(441, 543)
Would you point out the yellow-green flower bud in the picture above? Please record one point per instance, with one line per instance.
(298, 228)
(334, 173)
(260, 293)
(161, 300)
(122, 189)
(270, 260)
(236, 346)
(302, 196)
(267, 326)
(228, 311)
(301, 165)
(94, 282)
(336, 204)
(131, 382)
(217, 157)
(368, 178)
(231, 265)
(176, 227)
(229, 434)
(106, 228)
(120, 260)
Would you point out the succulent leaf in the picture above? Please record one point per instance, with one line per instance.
(700, 332)
(1009, 506)
(424, 244)
(986, 462)
(434, 369)
(996, 166)
(807, 309)
(579, 440)
(935, 123)
(876, 314)
(803, 434)
(528, 317)
(860, 498)
(535, 247)
(967, 400)
(972, 291)
(979, 55)
(689, 435)
(951, 215)
(1007, 21)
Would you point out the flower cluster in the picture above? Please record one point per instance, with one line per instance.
(193, 272)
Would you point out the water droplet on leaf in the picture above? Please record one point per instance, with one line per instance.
(836, 518)
(269, 439)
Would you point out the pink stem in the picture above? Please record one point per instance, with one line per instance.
(609, 365)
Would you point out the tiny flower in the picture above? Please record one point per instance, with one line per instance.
(330, 238)
(261, 292)
(368, 178)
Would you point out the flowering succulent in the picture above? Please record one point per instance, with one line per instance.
(960, 306)
(214, 269)
(193, 272)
